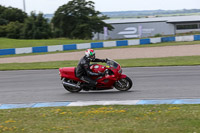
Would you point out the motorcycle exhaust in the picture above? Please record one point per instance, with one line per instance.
(71, 85)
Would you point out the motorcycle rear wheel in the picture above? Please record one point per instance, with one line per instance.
(71, 89)
(124, 84)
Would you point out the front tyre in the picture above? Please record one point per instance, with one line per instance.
(124, 84)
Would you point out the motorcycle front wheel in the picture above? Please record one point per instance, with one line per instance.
(124, 84)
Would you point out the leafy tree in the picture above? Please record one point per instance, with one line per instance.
(3, 32)
(14, 23)
(36, 27)
(13, 30)
(10, 14)
(11, 20)
(3, 21)
(78, 19)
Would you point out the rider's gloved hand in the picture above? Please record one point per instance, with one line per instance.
(104, 60)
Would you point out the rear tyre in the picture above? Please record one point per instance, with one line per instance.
(71, 89)
(124, 84)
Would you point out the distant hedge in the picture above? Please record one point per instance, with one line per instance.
(14, 23)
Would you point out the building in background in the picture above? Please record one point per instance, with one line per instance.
(150, 27)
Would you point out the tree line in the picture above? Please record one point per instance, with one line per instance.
(77, 19)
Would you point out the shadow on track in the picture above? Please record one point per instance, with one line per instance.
(100, 92)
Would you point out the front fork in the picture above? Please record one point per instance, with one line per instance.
(120, 84)
(121, 77)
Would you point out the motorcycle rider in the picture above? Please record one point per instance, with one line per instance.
(83, 68)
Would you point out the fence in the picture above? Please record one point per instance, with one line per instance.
(98, 45)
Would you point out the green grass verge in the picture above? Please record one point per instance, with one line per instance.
(132, 46)
(103, 119)
(19, 43)
(6, 43)
(145, 62)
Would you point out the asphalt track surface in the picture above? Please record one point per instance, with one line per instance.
(33, 86)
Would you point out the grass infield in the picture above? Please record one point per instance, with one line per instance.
(103, 119)
(6, 43)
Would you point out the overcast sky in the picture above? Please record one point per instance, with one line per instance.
(50, 6)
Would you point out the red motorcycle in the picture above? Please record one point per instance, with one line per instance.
(113, 78)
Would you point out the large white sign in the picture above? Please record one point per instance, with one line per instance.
(133, 32)
(129, 32)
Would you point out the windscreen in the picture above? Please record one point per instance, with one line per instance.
(112, 63)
